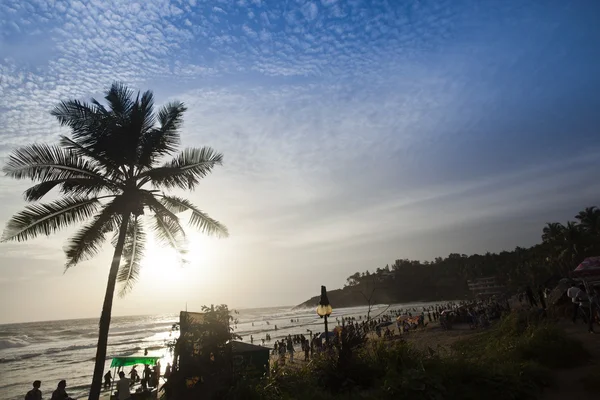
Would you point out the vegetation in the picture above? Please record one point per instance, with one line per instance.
(562, 248)
(513, 361)
(110, 179)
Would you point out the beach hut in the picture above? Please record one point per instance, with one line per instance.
(249, 359)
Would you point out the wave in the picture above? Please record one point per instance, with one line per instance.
(14, 342)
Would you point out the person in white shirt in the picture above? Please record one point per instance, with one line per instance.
(123, 387)
(576, 295)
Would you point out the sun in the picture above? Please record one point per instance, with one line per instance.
(162, 266)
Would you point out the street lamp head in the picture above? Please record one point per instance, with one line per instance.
(324, 308)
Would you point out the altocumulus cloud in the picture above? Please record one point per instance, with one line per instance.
(349, 127)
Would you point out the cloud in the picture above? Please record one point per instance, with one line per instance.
(354, 131)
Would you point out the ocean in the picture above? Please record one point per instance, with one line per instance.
(55, 350)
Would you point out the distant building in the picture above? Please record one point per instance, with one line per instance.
(485, 287)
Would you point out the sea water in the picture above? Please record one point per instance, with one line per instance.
(55, 350)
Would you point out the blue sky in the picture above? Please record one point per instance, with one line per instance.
(354, 133)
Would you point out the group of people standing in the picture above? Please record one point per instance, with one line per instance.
(150, 379)
(287, 346)
(59, 394)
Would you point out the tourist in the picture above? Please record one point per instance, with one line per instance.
(107, 379)
(61, 393)
(290, 349)
(146, 376)
(134, 374)
(530, 298)
(156, 375)
(575, 294)
(35, 393)
(282, 352)
(167, 372)
(123, 387)
(306, 348)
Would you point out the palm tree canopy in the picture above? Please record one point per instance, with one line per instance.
(109, 169)
(552, 232)
(590, 219)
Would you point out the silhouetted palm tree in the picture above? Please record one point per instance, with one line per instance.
(552, 232)
(590, 220)
(104, 173)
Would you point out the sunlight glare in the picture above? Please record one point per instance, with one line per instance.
(162, 267)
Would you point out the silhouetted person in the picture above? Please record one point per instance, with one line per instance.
(61, 392)
(35, 393)
(530, 298)
(542, 297)
(167, 372)
(123, 387)
(574, 293)
(134, 375)
(146, 376)
(107, 379)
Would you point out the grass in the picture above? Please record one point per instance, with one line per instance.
(513, 360)
(520, 339)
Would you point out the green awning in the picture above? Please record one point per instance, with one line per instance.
(127, 361)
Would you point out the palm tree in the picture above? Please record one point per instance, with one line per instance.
(552, 232)
(590, 220)
(109, 175)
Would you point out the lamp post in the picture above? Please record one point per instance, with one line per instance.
(324, 310)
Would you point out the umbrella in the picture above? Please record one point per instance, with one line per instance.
(589, 266)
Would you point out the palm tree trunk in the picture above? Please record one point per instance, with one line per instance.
(106, 312)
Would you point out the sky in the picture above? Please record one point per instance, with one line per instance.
(354, 132)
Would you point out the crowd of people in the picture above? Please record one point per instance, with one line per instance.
(476, 313)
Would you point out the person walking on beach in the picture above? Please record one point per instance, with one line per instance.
(123, 387)
(107, 379)
(35, 393)
(61, 393)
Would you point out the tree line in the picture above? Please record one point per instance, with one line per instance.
(562, 248)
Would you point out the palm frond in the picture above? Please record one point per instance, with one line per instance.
(80, 117)
(133, 252)
(71, 186)
(185, 170)
(48, 218)
(198, 219)
(119, 97)
(88, 240)
(80, 150)
(166, 226)
(165, 139)
(40, 162)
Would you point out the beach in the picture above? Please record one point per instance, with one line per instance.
(55, 350)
